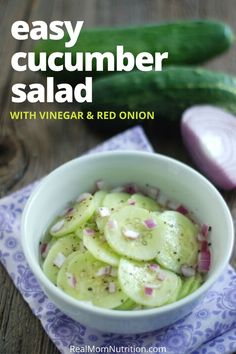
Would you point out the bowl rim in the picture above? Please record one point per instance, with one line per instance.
(122, 314)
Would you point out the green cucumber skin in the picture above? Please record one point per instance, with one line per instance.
(187, 42)
(168, 93)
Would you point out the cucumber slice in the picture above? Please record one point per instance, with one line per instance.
(63, 275)
(64, 246)
(187, 283)
(131, 217)
(190, 285)
(156, 213)
(115, 200)
(78, 215)
(91, 224)
(175, 295)
(127, 305)
(79, 232)
(134, 277)
(197, 283)
(100, 249)
(144, 202)
(99, 197)
(91, 287)
(101, 222)
(177, 241)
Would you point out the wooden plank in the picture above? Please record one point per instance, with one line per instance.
(12, 154)
(20, 331)
(9, 13)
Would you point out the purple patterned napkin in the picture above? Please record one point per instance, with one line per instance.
(209, 329)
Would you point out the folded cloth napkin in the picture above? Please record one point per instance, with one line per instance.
(209, 329)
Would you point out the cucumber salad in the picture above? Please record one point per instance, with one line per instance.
(127, 248)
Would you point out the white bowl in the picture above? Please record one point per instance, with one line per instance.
(175, 179)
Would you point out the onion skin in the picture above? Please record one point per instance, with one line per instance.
(209, 134)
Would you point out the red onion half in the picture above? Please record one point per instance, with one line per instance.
(209, 134)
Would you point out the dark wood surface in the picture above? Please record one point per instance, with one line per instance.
(31, 149)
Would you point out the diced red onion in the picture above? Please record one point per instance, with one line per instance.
(131, 202)
(83, 197)
(112, 224)
(71, 279)
(204, 246)
(150, 223)
(104, 271)
(181, 209)
(59, 260)
(44, 248)
(154, 267)
(132, 234)
(88, 231)
(67, 211)
(204, 230)
(204, 261)
(200, 237)
(152, 192)
(111, 288)
(153, 286)
(58, 226)
(131, 188)
(104, 211)
(187, 271)
(148, 291)
(100, 184)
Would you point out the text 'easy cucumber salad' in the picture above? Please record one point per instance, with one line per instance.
(127, 248)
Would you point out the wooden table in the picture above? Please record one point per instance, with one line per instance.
(31, 149)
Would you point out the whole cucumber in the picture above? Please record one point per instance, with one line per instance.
(187, 42)
(168, 93)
